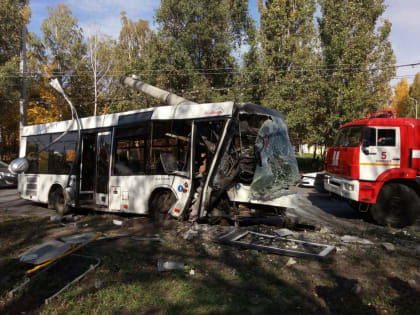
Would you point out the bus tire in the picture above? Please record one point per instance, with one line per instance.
(58, 201)
(160, 203)
(397, 206)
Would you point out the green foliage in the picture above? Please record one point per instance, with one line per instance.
(196, 42)
(14, 15)
(63, 53)
(415, 93)
(12, 18)
(357, 59)
(288, 41)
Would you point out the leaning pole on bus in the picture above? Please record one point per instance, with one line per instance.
(162, 95)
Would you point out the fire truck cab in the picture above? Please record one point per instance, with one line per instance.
(375, 164)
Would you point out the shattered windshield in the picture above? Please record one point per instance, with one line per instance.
(276, 166)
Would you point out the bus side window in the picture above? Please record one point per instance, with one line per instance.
(170, 147)
(129, 156)
(130, 150)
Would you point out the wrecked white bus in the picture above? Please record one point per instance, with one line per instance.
(186, 160)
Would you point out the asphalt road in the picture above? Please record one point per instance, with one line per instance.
(11, 203)
(314, 207)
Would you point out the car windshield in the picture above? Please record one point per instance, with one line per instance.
(349, 136)
(2, 164)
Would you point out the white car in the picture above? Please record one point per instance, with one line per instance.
(7, 179)
(315, 180)
(308, 179)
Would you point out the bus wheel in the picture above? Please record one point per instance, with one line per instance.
(396, 206)
(58, 202)
(160, 204)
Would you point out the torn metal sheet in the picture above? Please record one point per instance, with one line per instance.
(91, 267)
(79, 238)
(146, 238)
(44, 252)
(266, 242)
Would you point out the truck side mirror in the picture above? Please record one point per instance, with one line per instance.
(365, 143)
(19, 165)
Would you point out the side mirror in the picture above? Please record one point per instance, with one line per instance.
(19, 165)
(365, 143)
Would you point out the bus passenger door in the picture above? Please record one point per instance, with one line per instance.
(88, 166)
(102, 168)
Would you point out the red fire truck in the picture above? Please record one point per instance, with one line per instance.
(375, 164)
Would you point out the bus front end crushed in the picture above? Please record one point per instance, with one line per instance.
(256, 168)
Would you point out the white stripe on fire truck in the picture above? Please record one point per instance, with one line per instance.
(416, 154)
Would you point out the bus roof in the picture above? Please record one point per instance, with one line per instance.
(208, 110)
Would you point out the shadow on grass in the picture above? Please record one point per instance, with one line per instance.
(343, 298)
(408, 298)
(226, 281)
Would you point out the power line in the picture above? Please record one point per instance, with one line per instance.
(183, 91)
(186, 71)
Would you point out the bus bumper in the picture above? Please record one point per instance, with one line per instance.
(345, 188)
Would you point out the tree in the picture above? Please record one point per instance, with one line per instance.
(65, 50)
(133, 37)
(357, 58)
(288, 41)
(101, 61)
(251, 81)
(14, 14)
(196, 40)
(129, 55)
(415, 93)
(401, 99)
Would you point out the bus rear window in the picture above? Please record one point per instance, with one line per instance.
(349, 136)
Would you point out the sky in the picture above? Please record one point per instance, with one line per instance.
(104, 16)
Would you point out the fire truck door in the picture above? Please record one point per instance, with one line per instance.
(380, 156)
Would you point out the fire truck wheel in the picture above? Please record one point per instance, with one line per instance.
(397, 206)
(58, 202)
(160, 204)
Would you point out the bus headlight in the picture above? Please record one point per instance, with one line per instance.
(349, 187)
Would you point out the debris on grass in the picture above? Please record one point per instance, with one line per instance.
(155, 238)
(91, 268)
(117, 222)
(190, 235)
(356, 240)
(284, 232)
(164, 264)
(290, 262)
(44, 252)
(276, 244)
(389, 247)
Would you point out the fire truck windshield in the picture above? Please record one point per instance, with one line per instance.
(349, 136)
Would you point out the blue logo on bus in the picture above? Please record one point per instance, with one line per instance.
(238, 186)
(180, 188)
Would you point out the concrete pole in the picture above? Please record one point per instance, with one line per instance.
(162, 95)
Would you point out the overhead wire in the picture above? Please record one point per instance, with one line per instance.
(187, 71)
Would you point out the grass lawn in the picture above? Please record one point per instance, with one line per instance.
(355, 280)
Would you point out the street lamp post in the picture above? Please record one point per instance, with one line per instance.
(415, 100)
